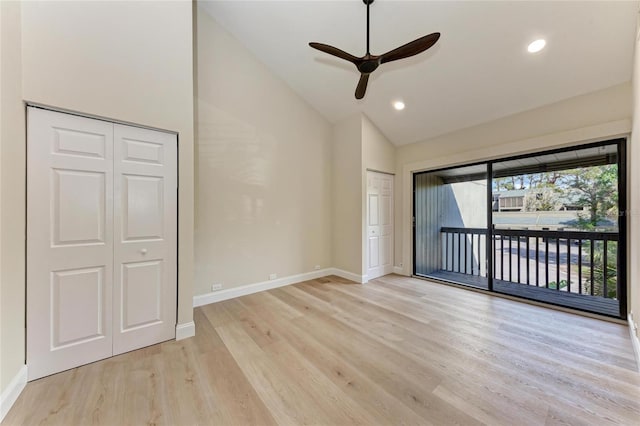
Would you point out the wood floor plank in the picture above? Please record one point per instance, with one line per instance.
(449, 313)
(328, 351)
(231, 393)
(288, 402)
(528, 352)
(451, 362)
(413, 382)
(324, 392)
(385, 406)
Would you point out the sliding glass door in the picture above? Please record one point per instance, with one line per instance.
(451, 225)
(556, 233)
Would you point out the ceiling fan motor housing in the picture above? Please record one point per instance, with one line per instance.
(369, 65)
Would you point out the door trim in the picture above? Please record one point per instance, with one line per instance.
(392, 224)
(97, 117)
(380, 171)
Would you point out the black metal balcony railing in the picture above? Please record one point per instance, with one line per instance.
(582, 263)
(464, 251)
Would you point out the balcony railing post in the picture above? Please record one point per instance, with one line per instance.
(518, 259)
(501, 257)
(466, 253)
(528, 261)
(605, 293)
(473, 264)
(446, 251)
(510, 248)
(537, 262)
(459, 250)
(493, 251)
(557, 263)
(569, 265)
(546, 261)
(580, 266)
(592, 244)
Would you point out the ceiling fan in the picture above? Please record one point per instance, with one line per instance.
(368, 63)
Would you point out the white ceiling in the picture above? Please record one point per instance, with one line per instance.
(479, 70)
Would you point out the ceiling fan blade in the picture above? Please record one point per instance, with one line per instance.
(362, 86)
(335, 52)
(410, 49)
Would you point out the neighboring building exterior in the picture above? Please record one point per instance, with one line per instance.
(509, 201)
(515, 200)
(510, 211)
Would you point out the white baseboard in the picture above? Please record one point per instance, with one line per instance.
(231, 293)
(398, 270)
(184, 331)
(362, 279)
(635, 342)
(10, 395)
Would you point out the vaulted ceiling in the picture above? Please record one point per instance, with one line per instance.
(479, 71)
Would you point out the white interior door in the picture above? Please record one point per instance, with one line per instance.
(69, 241)
(379, 224)
(101, 240)
(145, 254)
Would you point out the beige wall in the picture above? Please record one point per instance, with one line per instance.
(358, 146)
(634, 195)
(377, 154)
(594, 116)
(347, 213)
(127, 61)
(12, 196)
(602, 106)
(263, 170)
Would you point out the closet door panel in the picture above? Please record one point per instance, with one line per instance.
(69, 241)
(145, 289)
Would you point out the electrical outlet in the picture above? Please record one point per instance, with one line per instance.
(215, 287)
(273, 276)
(317, 267)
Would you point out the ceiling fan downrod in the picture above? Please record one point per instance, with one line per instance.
(368, 3)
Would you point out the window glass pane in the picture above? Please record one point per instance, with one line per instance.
(451, 225)
(556, 228)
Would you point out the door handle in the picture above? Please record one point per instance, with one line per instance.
(143, 251)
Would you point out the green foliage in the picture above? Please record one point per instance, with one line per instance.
(596, 189)
(535, 180)
(504, 184)
(593, 188)
(554, 285)
(544, 199)
(598, 270)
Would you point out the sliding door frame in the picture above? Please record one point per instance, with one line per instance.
(413, 210)
(489, 237)
(621, 162)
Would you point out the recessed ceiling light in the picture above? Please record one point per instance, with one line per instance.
(536, 46)
(398, 105)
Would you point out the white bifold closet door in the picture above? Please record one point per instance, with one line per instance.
(101, 240)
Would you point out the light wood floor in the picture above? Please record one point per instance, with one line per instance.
(394, 351)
